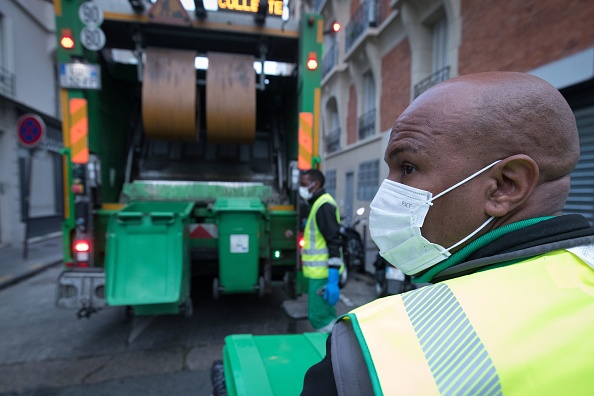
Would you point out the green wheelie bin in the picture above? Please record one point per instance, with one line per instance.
(239, 223)
(147, 261)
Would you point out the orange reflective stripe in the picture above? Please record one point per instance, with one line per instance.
(79, 130)
(305, 140)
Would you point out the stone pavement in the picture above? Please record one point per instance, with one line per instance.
(42, 253)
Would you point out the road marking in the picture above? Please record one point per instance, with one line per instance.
(346, 301)
(5, 278)
(36, 266)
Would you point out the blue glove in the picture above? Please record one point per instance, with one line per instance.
(332, 291)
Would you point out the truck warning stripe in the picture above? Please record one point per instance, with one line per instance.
(305, 141)
(79, 130)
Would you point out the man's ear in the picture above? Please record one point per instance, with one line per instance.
(515, 179)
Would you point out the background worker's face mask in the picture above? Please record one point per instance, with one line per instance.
(304, 192)
(397, 215)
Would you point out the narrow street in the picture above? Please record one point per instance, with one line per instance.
(48, 351)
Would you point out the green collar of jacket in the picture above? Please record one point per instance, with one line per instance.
(473, 246)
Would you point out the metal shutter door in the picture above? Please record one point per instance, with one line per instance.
(581, 194)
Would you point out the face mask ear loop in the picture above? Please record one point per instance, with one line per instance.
(472, 234)
(464, 181)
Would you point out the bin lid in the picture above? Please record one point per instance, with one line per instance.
(234, 204)
(271, 365)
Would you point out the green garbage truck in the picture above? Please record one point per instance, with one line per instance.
(184, 133)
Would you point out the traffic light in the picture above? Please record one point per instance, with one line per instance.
(66, 39)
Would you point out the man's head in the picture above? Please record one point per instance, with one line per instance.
(313, 179)
(464, 124)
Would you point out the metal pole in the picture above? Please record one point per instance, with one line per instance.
(27, 203)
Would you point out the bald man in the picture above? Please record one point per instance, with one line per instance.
(479, 171)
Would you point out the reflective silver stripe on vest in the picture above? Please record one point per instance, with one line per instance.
(457, 358)
(315, 263)
(312, 240)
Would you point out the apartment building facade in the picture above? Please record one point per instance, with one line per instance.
(28, 85)
(389, 51)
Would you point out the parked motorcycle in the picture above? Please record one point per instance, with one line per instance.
(353, 248)
(390, 280)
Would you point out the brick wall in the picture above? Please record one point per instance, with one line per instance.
(352, 116)
(354, 5)
(395, 84)
(520, 35)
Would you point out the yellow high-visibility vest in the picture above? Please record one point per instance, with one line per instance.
(523, 329)
(314, 255)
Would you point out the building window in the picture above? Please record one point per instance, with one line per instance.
(367, 119)
(331, 182)
(333, 137)
(6, 77)
(368, 182)
(440, 45)
(440, 69)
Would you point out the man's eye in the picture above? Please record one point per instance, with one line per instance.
(408, 169)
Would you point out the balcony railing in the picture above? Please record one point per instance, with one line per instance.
(330, 59)
(369, 14)
(6, 82)
(333, 141)
(433, 79)
(367, 124)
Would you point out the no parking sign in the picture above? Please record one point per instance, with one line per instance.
(30, 130)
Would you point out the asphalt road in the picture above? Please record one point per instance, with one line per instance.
(48, 351)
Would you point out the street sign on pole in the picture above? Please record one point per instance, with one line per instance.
(30, 130)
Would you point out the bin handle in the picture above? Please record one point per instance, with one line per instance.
(163, 217)
(129, 217)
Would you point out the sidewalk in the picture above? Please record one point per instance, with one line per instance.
(41, 254)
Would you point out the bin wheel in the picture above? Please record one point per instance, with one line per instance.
(261, 287)
(188, 308)
(215, 289)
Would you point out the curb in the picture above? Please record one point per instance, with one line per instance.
(27, 274)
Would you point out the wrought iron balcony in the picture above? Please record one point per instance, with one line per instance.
(333, 141)
(330, 59)
(369, 14)
(6, 82)
(433, 79)
(367, 124)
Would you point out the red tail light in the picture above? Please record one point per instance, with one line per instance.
(66, 39)
(312, 61)
(301, 242)
(82, 246)
(335, 27)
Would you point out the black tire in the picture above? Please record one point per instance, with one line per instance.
(344, 277)
(217, 377)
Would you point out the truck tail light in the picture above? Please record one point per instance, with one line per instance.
(67, 39)
(312, 61)
(82, 247)
(301, 242)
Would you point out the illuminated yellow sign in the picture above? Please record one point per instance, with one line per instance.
(275, 7)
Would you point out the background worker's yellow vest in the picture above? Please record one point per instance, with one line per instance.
(523, 329)
(314, 255)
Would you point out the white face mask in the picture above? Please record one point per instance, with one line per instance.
(397, 214)
(304, 192)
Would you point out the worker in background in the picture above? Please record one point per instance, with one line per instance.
(479, 172)
(321, 256)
